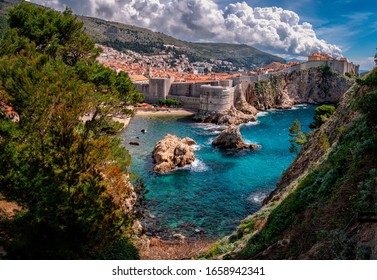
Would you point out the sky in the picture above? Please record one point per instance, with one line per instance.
(288, 28)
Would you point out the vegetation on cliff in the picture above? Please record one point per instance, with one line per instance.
(70, 177)
(325, 205)
(321, 115)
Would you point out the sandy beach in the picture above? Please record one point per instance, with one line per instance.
(164, 112)
(150, 112)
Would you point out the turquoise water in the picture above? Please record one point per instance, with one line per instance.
(220, 188)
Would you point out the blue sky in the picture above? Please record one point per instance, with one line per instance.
(293, 30)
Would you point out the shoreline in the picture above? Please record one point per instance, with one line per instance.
(163, 112)
(151, 112)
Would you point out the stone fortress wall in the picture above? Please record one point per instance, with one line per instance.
(216, 98)
(339, 66)
(220, 95)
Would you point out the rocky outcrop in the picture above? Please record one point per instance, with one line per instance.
(284, 90)
(172, 152)
(231, 138)
(240, 102)
(228, 117)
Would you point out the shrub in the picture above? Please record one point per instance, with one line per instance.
(321, 115)
(170, 103)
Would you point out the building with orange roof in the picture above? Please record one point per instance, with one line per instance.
(318, 56)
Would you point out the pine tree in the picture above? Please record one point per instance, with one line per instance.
(298, 138)
(71, 178)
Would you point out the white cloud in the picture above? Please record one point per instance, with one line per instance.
(271, 29)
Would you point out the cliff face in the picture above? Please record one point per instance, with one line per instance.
(308, 86)
(325, 204)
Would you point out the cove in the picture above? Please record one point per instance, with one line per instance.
(220, 188)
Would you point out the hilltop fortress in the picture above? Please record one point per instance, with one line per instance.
(221, 95)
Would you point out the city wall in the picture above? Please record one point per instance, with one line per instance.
(216, 98)
(220, 95)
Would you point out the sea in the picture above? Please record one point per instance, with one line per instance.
(211, 196)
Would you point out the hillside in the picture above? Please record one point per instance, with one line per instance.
(128, 37)
(325, 203)
(122, 37)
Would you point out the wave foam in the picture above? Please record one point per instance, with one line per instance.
(251, 123)
(257, 197)
(197, 166)
(196, 147)
(262, 114)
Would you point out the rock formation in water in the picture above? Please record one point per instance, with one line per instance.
(172, 152)
(228, 117)
(231, 138)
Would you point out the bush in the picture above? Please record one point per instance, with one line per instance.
(368, 106)
(370, 80)
(170, 103)
(321, 115)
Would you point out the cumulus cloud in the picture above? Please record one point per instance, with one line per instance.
(271, 29)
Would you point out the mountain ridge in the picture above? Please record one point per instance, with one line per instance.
(123, 36)
(147, 42)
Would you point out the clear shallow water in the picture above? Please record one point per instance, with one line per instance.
(220, 188)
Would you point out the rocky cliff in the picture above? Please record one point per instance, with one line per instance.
(324, 206)
(316, 85)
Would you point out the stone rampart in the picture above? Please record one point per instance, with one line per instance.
(188, 102)
(216, 98)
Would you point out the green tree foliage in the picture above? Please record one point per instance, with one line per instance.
(55, 35)
(298, 138)
(368, 106)
(321, 115)
(170, 103)
(117, 86)
(70, 177)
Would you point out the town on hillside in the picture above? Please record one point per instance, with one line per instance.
(166, 65)
(196, 85)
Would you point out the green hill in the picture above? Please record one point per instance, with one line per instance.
(128, 37)
(121, 37)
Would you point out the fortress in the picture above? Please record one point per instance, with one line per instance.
(209, 96)
(220, 95)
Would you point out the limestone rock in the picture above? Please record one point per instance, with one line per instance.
(172, 152)
(231, 138)
(284, 90)
(240, 102)
(228, 117)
